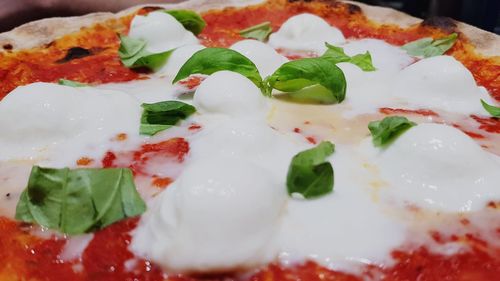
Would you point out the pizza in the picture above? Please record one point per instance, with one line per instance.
(249, 140)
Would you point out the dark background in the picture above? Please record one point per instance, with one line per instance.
(484, 14)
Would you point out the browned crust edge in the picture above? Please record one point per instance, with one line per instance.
(44, 31)
(486, 43)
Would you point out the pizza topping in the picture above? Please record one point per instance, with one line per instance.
(438, 168)
(309, 174)
(306, 32)
(160, 116)
(311, 80)
(231, 195)
(337, 55)
(428, 47)
(385, 57)
(55, 125)
(262, 55)
(152, 38)
(493, 110)
(189, 19)
(133, 53)
(80, 200)
(161, 32)
(259, 32)
(388, 129)
(217, 94)
(440, 83)
(70, 83)
(211, 60)
(178, 58)
(229, 207)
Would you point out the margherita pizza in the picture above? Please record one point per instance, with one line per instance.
(249, 140)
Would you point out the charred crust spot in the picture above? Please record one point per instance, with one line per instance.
(353, 9)
(148, 9)
(307, 1)
(8, 47)
(75, 53)
(443, 23)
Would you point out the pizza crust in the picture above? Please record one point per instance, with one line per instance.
(38, 33)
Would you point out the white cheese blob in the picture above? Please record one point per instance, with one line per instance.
(333, 229)
(178, 58)
(161, 31)
(305, 32)
(225, 210)
(384, 56)
(366, 91)
(228, 93)
(438, 167)
(265, 58)
(219, 215)
(441, 83)
(56, 124)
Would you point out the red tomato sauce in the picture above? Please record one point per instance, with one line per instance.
(137, 160)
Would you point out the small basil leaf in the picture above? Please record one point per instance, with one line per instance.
(493, 110)
(133, 54)
(314, 80)
(260, 31)
(337, 55)
(211, 60)
(80, 200)
(189, 19)
(71, 83)
(428, 47)
(309, 174)
(160, 116)
(388, 129)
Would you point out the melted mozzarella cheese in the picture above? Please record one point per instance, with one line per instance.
(53, 124)
(333, 230)
(228, 93)
(230, 197)
(384, 56)
(371, 94)
(161, 31)
(178, 58)
(219, 215)
(305, 32)
(441, 83)
(437, 167)
(265, 58)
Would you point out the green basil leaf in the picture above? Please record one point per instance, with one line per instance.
(71, 83)
(309, 174)
(260, 31)
(211, 60)
(493, 110)
(133, 54)
(189, 19)
(80, 200)
(337, 55)
(428, 47)
(314, 80)
(388, 129)
(160, 116)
